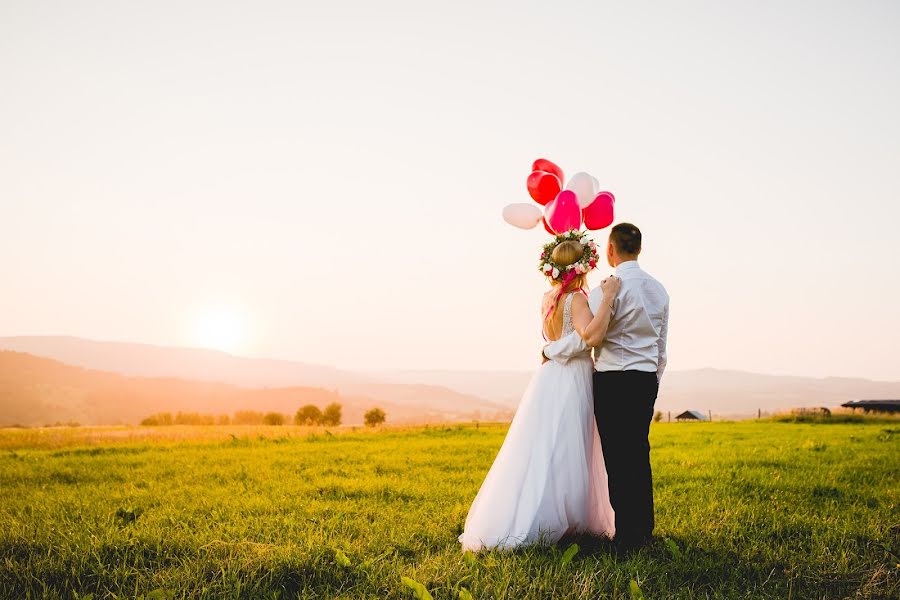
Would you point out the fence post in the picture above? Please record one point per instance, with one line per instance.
(710, 414)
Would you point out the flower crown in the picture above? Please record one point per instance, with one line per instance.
(587, 262)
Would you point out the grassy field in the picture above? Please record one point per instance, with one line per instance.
(744, 510)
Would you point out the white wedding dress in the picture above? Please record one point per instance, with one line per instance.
(548, 478)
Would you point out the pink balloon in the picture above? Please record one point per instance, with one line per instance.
(599, 213)
(564, 214)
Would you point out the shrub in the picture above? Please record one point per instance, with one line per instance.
(308, 415)
(332, 414)
(374, 417)
(274, 418)
(248, 417)
(839, 418)
(194, 419)
(158, 419)
(657, 416)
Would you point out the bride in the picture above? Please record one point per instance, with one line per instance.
(549, 479)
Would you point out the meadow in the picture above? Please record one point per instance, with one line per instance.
(744, 510)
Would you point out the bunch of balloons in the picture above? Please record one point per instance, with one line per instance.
(564, 209)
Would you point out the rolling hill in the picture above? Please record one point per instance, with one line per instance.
(39, 391)
(197, 364)
(436, 394)
(724, 392)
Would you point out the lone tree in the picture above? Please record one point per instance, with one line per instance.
(657, 416)
(374, 417)
(332, 414)
(273, 418)
(308, 415)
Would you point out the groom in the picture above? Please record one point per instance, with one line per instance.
(628, 366)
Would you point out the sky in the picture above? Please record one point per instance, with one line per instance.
(324, 181)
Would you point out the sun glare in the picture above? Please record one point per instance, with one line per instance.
(220, 329)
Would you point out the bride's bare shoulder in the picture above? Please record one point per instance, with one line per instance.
(579, 302)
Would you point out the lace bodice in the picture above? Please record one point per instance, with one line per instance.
(567, 325)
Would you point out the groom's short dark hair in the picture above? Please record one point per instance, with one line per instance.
(626, 238)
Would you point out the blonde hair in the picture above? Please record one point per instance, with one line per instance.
(567, 253)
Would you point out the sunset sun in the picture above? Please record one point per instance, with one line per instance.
(219, 328)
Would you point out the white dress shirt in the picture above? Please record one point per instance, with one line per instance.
(638, 329)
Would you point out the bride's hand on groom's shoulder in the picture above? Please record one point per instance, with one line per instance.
(610, 287)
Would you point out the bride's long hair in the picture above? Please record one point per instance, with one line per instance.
(565, 254)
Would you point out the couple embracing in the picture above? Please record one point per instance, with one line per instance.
(576, 458)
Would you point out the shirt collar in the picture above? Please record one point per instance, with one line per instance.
(628, 265)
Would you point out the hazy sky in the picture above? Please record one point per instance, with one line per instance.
(330, 175)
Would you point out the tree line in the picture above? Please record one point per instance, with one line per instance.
(310, 414)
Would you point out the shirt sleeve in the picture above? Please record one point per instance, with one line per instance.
(566, 347)
(594, 299)
(663, 340)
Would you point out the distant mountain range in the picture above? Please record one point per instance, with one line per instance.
(726, 393)
(187, 379)
(39, 391)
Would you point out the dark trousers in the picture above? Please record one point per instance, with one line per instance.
(623, 406)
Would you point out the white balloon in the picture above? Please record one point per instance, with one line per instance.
(585, 188)
(521, 215)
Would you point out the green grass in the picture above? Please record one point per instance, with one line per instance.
(744, 510)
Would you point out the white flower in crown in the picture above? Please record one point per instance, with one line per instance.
(547, 267)
(555, 272)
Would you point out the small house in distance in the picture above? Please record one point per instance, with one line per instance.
(691, 415)
(889, 406)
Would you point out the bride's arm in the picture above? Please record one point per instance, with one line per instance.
(592, 327)
(590, 330)
(563, 349)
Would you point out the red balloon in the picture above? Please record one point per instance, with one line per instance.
(543, 186)
(542, 164)
(564, 214)
(599, 213)
(547, 227)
